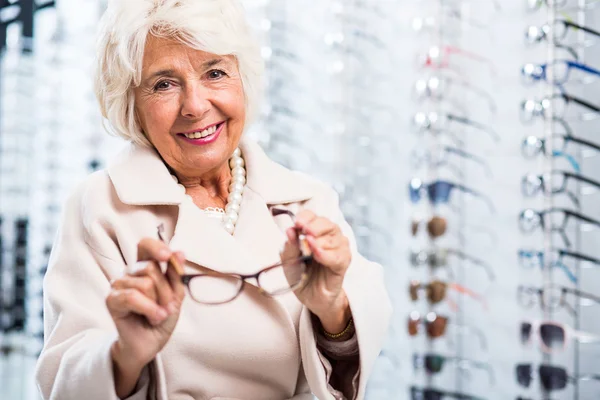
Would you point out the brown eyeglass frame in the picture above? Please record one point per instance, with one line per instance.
(436, 226)
(306, 257)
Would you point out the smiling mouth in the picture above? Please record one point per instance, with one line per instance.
(204, 133)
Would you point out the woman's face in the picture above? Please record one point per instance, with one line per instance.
(185, 94)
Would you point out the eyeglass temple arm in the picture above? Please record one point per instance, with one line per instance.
(583, 142)
(581, 27)
(477, 332)
(465, 290)
(473, 260)
(474, 56)
(477, 194)
(476, 90)
(581, 217)
(583, 67)
(579, 101)
(474, 124)
(469, 156)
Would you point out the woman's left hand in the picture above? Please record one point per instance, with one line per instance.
(322, 293)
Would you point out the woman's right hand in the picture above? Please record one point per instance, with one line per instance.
(145, 306)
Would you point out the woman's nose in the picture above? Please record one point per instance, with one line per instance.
(196, 101)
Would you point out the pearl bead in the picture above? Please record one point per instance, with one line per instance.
(181, 187)
(236, 187)
(235, 207)
(237, 152)
(238, 171)
(234, 197)
(239, 179)
(236, 162)
(175, 178)
(229, 227)
(232, 216)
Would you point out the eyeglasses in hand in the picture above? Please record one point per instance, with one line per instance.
(213, 288)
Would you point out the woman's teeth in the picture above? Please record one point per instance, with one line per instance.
(202, 134)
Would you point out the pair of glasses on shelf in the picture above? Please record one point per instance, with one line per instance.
(551, 377)
(557, 72)
(554, 183)
(435, 326)
(439, 156)
(554, 297)
(433, 363)
(440, 256)
(553, 336)
(556, 108)
(215, 288)
(436, 123)
(562, 30)
(420, 393)
(439, 191)
(555, 219)
(439, 87)
(560, 5)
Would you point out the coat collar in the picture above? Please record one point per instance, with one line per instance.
(140, 177)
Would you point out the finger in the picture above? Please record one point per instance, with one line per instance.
(337, 259)
(290, 249)
(164, 291)
(320, 226)
(304, 218)
(122, 302)
(153, 249)
(329, 242)
(144, 284)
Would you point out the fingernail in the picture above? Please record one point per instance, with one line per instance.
(164, 254)
(172, 307)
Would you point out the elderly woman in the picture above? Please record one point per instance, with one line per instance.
(256, 292)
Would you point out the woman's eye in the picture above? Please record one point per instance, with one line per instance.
(216, 74)
(164, 85)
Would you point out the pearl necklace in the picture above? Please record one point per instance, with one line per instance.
(229, 215)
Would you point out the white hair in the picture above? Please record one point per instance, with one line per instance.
(215, 26)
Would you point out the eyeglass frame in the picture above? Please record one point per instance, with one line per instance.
(306, 257)
(531, 290)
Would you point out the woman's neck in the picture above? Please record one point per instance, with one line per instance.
(210, 190)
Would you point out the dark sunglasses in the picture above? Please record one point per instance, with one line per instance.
(418, 393)
(439, 192)
(553, 297)
(551, 377)
(530, 219)
(435, 326)
(553, 183)
(434, 363)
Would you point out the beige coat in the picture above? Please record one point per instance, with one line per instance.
(253, 348)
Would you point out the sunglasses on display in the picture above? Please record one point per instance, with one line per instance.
(559, 70)
(436, 227)
(553, 336)
(434, 122)
(529, 220)
(201, 286)
(435, 327)
(434, 363)
(439, 156)
(551, 377)
(438, 87)
(439, 191)
(554, 183)
(559, 104)
(439, 258)
(419, 393)
(553, 297)
(436, 291)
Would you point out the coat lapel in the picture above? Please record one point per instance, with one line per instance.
(141, 178)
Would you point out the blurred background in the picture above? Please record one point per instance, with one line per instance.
(462, 137)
